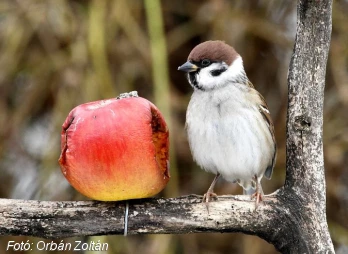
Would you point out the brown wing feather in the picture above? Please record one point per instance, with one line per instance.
(249, 84)
(263, 108)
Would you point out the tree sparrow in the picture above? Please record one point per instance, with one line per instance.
(230, 130)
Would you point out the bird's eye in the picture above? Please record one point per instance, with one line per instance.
(205, 62)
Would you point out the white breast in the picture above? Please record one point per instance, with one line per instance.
(228, 135)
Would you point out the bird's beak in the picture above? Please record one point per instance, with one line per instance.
(188, 67)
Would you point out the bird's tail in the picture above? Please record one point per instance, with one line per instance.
(249, 191)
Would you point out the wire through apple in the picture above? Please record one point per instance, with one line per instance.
(126, 219)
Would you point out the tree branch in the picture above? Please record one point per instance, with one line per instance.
(305, 173)
(273, 221)
(185, 214)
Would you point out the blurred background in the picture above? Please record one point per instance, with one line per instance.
(56, 54)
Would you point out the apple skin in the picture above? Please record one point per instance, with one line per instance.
(115, 149)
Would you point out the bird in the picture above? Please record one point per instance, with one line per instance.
(228, 123)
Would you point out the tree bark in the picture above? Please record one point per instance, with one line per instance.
(293, 218)
(305, 173)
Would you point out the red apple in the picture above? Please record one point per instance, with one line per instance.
(115, 149)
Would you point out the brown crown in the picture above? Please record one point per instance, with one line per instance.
(214, 51)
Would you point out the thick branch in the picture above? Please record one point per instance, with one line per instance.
(274, 221)
(49, 219)
(177, 215)
(305, 163)
(305, 174)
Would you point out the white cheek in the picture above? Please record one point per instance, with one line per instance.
(207, 81)
(236, 69)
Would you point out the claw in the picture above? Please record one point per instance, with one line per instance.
(209, 196)
(210, 193)
(258, 195)
(258, 198)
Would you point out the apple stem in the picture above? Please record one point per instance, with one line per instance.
(127, 95)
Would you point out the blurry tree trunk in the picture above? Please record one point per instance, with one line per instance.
(293, 219)
(161, 83)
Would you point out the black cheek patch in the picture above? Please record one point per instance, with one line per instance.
(217, 72)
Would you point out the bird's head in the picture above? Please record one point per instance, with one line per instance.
(212, 65)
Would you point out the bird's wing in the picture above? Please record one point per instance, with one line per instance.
(263, 108)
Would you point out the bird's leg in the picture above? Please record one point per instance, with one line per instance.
(258, 195)
(210, 193)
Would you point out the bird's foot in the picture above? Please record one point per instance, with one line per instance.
(209, 196)
(258, 195)
(258, 198)
(210, 193)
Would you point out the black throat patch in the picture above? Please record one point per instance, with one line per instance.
(192, 77)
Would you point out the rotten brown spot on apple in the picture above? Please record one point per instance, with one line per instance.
(160, 138)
